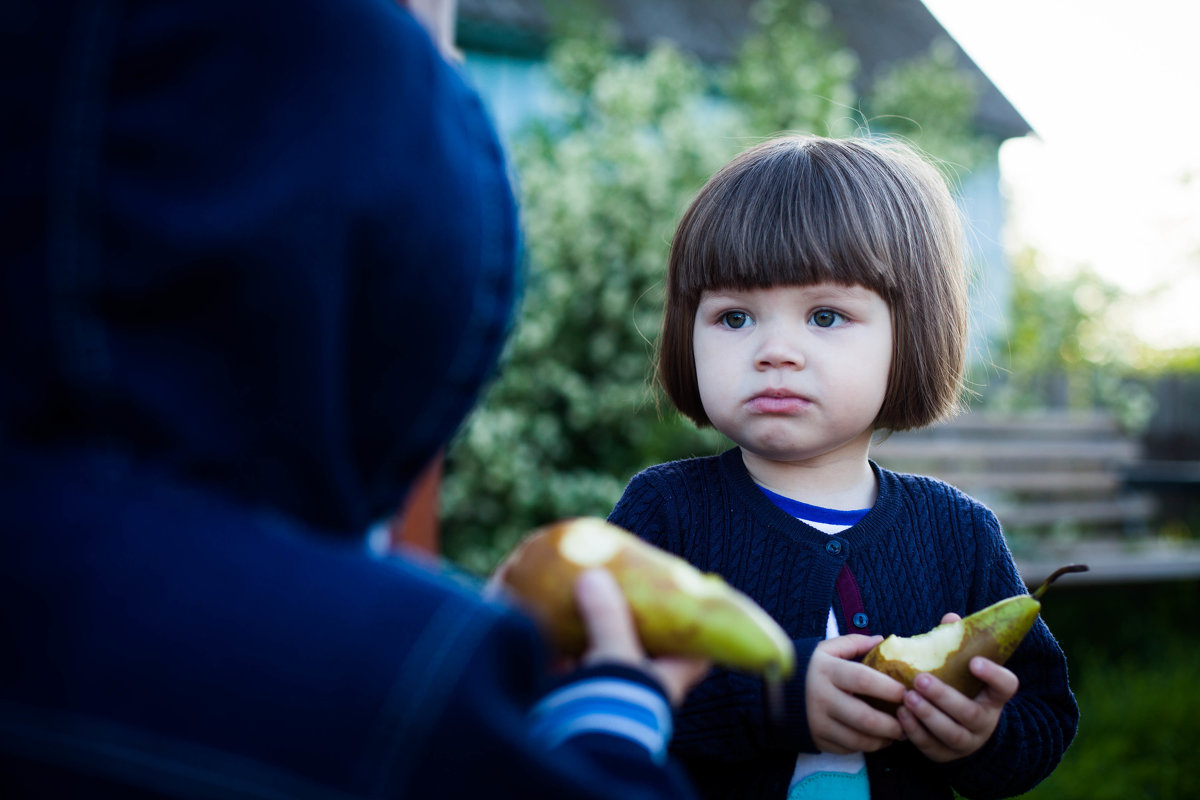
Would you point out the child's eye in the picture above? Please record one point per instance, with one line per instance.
(734, 319)
(826, 318)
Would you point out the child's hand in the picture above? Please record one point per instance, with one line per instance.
(612, 636)
(839, 721)
(945, 724)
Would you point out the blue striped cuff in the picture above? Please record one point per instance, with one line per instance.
(607, 706)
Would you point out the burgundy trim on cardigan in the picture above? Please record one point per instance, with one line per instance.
(851, 602)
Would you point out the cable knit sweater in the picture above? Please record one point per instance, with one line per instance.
(923, 550)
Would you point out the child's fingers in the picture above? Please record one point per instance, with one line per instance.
(934, 732)
(851, 646)
(1002, 683)
(878, 727)
(935, 704)
(680, 675)
(850, 676)
(946, 724)
(610, 630)
(612, 636)
(856, 678)
(932, 699)
(919, 736)
(852, 682)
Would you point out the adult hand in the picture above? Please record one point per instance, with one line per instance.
(945, 724)
(612, 636)
(839, 720)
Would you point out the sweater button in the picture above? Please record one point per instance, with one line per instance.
(860, 620)
(834, 547)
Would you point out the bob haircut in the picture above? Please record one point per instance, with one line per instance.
(800, 210)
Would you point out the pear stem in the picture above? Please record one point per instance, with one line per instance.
(1054, 576)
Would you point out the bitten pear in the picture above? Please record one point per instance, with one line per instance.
(677, 609)
(946, 651)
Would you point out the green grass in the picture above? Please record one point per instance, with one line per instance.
(1139, 727)
(1134, 655)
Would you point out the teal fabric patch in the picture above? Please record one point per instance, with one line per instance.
(832, 786)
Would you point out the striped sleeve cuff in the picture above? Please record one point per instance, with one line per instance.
(608, 706)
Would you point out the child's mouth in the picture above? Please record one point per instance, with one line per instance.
(778, 404)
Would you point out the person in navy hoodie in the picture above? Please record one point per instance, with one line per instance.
(258, 260)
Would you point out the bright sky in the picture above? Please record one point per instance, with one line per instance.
(1112, 180)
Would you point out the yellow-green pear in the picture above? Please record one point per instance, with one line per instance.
(946, 651)
(677, 609)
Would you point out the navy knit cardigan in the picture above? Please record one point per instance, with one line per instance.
(923, 550)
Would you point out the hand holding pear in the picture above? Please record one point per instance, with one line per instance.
(677, 609)
(946, 651)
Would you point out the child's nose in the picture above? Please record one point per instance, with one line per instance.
(779, 349)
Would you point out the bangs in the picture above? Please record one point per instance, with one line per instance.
(794, 214)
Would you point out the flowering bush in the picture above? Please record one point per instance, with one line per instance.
(574, 412)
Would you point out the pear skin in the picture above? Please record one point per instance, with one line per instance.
(677, 609)
(946, 651)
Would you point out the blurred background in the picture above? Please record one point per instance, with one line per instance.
(1066, 129)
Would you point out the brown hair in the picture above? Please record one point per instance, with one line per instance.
(800, 210)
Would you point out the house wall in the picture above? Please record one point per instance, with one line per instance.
(518, 89)
(984, 214)
(515, 90)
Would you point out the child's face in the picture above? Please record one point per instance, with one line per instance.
(794, 373)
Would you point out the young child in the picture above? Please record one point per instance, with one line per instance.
(816, 296)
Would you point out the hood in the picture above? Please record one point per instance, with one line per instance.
(268, 247)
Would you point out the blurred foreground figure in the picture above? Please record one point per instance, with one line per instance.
(258, 259)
